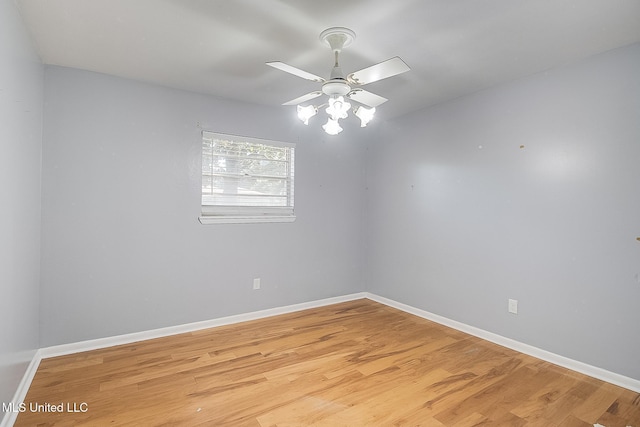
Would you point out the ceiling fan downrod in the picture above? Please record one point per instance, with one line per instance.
(337, 38)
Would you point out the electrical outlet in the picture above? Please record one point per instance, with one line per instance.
(256, 283)
(513, 306)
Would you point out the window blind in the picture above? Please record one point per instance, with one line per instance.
(246, 176)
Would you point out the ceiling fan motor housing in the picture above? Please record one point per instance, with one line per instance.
(336, 87)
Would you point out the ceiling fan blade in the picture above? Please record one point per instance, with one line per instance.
(367, 98)
(304, 98)
(389, 68)
(295, 71)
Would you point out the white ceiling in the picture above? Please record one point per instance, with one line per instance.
(454, 47)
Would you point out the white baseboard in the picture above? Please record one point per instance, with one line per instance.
(583, 368)
(64, 349)
(21, 392)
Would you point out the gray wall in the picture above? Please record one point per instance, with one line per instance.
(20, 135)
(461, 218)
(123, 250)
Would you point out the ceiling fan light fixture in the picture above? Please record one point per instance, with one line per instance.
(364, 114)
(332, 127)
(305, 113)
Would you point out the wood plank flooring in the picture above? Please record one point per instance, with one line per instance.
(357, 363)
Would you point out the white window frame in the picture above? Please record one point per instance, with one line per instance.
(212, 213)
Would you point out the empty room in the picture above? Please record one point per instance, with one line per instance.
(327, 213)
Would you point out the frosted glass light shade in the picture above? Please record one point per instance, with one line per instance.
(305, 113)
(364, 114)
(332, 127)
(338, 108)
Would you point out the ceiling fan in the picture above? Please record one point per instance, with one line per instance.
(338, 86)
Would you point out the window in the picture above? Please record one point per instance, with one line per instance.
(246, 179)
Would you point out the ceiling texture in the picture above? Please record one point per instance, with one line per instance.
(454, 47)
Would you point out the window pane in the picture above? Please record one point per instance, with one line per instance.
(245, 172)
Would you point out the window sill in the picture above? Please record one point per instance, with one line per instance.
(244, 219)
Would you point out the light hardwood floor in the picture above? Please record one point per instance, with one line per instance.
(357, 363)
